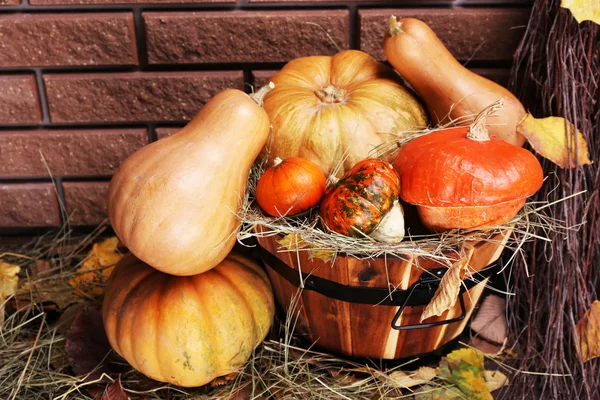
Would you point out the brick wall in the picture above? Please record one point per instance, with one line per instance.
(84, 83)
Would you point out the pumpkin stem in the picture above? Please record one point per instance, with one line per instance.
(277, 161)
(260, 94)
(331, 94)
(395, 26)
(477, 130)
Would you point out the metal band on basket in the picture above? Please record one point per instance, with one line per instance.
(419, 294)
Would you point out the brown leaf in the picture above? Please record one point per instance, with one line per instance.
(490, 321)
(548, 137)
(41, 268)
(588, 332)
(87, 345)
(484, 346)
(99, 265)
(583, 10)
(449, 288)
(426, 373)
(495, 380)
(115, 392)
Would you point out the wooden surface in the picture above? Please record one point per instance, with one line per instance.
(364, 330)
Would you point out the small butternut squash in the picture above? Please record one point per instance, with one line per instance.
(449, 90)
(173, 203)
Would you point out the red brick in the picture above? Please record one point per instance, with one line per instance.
(19, 100)
(28, 205)
(243, 36)
(261, 78)
(10, 2)
(490, 34)
(67, 39)
(86, 202)
(164, 132)
(67, 152)
(136, 96)
(91, 2)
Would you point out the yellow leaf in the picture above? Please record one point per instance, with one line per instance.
(583, 10)
(549, 138)
(464, 368)
(468, 355)
(99, 265)
(293, 241)
(470, 381)
(588, 332)
(449, 288)
(9, 280)
(495, 380)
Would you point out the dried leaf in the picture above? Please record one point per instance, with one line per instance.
(588, 332)
(449, 288)
(464, 368)
(86, 344)
(490, 321)
(100, 263)
(115, 392)
(470, 356)
(583, 10)
(403, 380)
(426, 373)
(495, 380)
(439, 393)
(548, 137)
(485, 347)
(293, 241)
(9, 280)
(53, 289)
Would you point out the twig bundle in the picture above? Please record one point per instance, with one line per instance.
(556, 71)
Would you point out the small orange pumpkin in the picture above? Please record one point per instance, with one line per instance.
(365, 203)
(463, 178)
(290, 187)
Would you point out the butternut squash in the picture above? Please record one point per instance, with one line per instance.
(173, 203)
(449, 90)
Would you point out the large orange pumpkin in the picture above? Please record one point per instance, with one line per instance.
(187, 330)
(328, 109)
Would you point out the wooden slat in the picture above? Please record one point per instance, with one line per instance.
(364, 330)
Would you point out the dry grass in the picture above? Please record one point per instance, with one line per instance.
(33, 364)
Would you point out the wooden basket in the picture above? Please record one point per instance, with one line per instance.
(331, 308)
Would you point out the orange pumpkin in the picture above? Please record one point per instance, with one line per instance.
(290, 187)
(365, 203)
(187, 330)
(463, 178)
(328, 109)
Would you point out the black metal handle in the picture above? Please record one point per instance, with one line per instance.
(430, 284)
